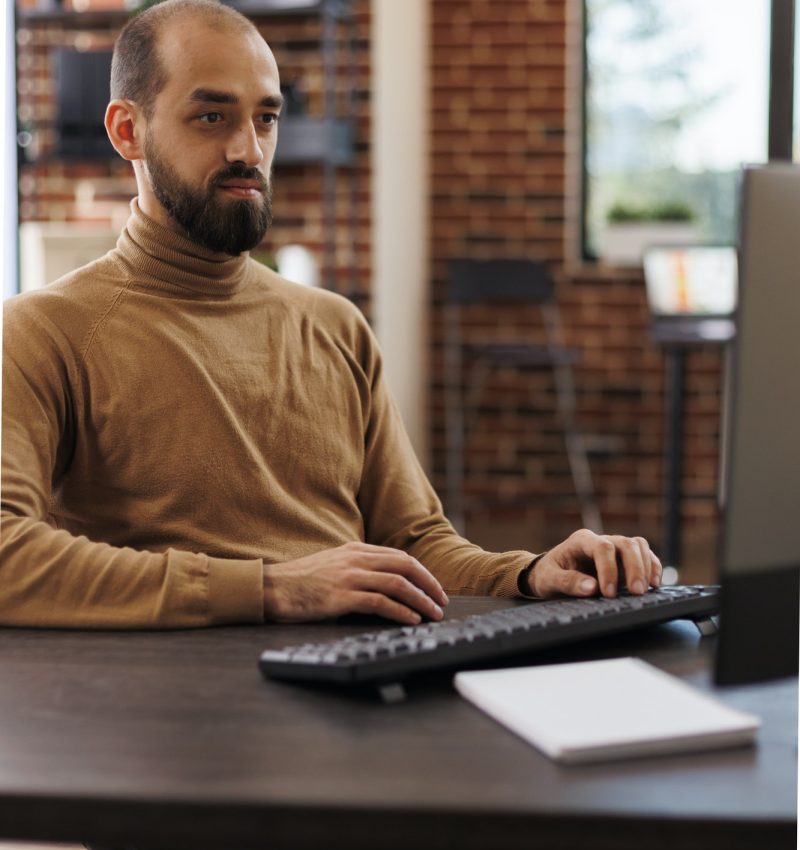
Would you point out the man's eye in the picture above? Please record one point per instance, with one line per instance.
(211, 117)
(269, 118)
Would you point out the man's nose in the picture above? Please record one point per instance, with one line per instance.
(244, 146)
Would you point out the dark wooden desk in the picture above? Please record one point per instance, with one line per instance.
(174, 740)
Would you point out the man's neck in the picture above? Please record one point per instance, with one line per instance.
(154, 209)
(164, 254)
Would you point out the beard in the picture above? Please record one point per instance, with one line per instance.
(224, 227)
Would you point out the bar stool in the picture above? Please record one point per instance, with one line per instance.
(519, 282)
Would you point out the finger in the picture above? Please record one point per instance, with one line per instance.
(656, 570)
(575, 583)
(401, 563)
(552, 575)
(362, 602)
(636, 578)
(644, 554)
(579, 548)
(604, 554)
(400, 589)
(423, 578)
(361, 546)
(647, 563)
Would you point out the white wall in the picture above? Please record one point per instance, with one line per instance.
(8, 149)
(400, 203)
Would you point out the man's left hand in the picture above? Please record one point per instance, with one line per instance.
(587, 563)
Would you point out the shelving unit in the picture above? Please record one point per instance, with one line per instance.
(327, 140)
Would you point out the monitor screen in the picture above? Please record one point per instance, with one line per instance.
(696, 280)
(760, 492)
(81, 100)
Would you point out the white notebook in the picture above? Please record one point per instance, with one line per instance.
(598, 710)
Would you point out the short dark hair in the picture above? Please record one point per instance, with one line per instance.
(137, 72)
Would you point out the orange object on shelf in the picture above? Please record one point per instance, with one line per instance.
(682, 289)
(95, 5)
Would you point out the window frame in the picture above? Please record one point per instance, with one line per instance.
(780, 101)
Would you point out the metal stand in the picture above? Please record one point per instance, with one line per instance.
(329, 16)
(707, 626)
(675, 365)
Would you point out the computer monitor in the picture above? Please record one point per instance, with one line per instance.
(691, 292)
(82, 94)
(760, 481)
(690, 280)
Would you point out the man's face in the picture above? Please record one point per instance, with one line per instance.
(210, 219)
(210, 140)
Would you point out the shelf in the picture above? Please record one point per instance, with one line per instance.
(70, 19)
(274, 8)
(93, 19)
(301, 141)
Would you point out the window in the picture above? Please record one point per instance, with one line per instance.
(796, 133)
(676, 99)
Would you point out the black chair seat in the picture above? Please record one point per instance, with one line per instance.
(508, 283)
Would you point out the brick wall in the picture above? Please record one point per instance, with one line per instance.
(500, 160)
(499, 164)
(99, 192)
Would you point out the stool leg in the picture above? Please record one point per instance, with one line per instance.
(454, 419)
(575, 446)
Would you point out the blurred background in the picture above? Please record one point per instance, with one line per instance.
(418, 133)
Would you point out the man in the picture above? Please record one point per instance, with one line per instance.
(191, 440)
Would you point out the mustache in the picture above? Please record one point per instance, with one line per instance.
(238, 171)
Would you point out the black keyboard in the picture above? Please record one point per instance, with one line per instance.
(392, 654)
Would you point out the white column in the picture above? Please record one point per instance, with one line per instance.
(400, 203)
(8, 148)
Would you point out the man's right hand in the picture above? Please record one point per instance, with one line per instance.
(354, 578)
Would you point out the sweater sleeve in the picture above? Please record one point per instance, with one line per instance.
(402, 510)
(52, 578)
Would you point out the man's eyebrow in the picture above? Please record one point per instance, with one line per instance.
(212, 96)
(273, 101)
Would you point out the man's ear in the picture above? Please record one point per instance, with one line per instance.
(125, 127)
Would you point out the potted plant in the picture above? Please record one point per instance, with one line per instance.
(631, 228)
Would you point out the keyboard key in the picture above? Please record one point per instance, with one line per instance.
(392, 653)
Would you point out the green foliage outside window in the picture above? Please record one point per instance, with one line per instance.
(676, 101)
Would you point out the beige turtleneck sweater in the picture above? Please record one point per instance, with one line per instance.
(174, 418)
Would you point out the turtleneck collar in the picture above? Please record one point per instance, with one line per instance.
(171, 261)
